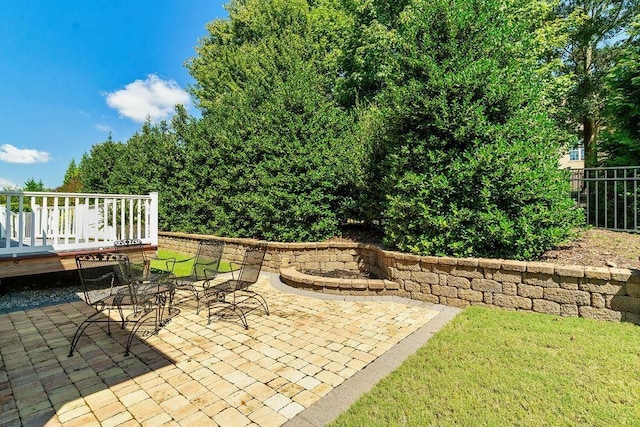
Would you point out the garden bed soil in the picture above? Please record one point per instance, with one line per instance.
(598, 248)
(340, 274)
(591, 247)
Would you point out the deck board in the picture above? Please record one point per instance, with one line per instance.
(51, 262)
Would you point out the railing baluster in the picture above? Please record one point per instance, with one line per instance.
(615, 199)
(114, 220)
(7, 222)
(85, 220)
(34, 219)
(635, 198)
(63, 221)
(56, 221)
(20, 221)
(123, 225)
(588, 196)
(626, 199)
(147, 222)
(96, 214)
(138, 219)
(131, 236)
(45, 217)
(76, 213)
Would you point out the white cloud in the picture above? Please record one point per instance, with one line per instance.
(103, 128)
(11, 154)
(6, 184)
(154, 98)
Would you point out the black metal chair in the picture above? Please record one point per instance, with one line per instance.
(206, 265)
(139, 258)
(108, 286)
(234, 296)
(141, 269)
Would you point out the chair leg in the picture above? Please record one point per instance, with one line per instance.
(77, 335)
(83, 326)
(236, 310)
(137, 326)
(242, 315)
(172, 295)
(259, 298)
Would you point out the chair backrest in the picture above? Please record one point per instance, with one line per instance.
(207, 260)
(133, 247)
(102, 273)
(251, 265)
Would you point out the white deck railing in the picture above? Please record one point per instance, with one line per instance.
(51, 222)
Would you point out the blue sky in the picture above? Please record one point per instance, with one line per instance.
(71, 72)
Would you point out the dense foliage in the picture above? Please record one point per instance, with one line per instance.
(621, 142)
(425, 118)
(591, 33)
(273, 156)
(467, 158)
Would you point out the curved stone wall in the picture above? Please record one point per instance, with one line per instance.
(593, 292)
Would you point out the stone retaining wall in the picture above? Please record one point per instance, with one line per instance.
(593, 292)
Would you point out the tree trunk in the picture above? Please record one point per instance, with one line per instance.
(589, 130)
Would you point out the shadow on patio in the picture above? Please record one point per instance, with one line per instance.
(191, 372)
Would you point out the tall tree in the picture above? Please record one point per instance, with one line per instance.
(152, 160)
(273, 155)
(72, 182)
(368, 50)
(465, 153)
(593, 32)
(621, 140)
(32, 185)
(97, 165)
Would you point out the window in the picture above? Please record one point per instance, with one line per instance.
(576, 153)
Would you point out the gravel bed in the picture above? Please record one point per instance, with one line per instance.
(22, 299)
(21, 293)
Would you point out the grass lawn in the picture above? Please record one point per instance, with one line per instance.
(182, 268)
(493, 367)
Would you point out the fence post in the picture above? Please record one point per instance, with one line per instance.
(153, 218)
(7, 228)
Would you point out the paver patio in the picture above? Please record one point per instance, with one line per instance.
(192, 373)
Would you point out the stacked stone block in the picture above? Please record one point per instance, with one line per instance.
(599, 293)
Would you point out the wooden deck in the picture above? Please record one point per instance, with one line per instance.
(42, 232)
(51, 262)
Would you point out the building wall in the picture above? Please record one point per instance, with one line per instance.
(574, 159)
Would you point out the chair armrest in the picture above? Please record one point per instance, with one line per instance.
(167, 262)
(238, 267)
(171, 263)
(210, 273)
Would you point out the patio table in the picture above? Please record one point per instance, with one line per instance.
(151, 296)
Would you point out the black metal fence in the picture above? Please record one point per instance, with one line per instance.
(609, 196)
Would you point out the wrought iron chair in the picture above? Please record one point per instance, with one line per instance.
(141, 269)
(206, 265)
(234, 295)
(140, 260)
(107, 285)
